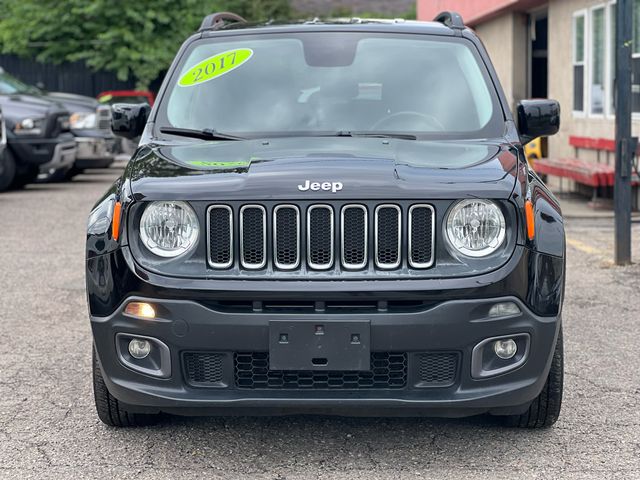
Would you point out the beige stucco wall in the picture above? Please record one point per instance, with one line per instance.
(561, 83)
(505, 38)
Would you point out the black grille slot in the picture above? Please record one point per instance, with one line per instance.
(320, 237)
(387, 236)
(437, 369)
(220, 236)
(253, 236)
(287, 237)
(421, 236)
(203, 369)
(388, 371)
(354, 236)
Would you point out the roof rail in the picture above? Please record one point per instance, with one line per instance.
(450, 19)
(217, 20)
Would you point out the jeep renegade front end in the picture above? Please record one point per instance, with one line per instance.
(332, 217)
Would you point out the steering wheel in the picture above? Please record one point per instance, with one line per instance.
(397, 118)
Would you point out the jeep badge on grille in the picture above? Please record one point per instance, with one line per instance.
(315, 186)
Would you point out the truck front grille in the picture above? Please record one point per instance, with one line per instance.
(321, 237)
(103, 117)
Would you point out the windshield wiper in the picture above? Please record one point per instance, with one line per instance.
(402, 136)
(205, 134)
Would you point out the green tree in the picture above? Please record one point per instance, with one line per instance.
(136, 39)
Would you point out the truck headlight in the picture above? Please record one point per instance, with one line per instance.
(169, 229)
(475, 228)
(80, 120)
(29, 126)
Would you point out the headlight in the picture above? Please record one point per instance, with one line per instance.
(169, 229)
(475, 228)
(80, 120)
(29, 126)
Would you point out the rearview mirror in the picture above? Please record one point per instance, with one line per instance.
(129, 119)
(538, 118)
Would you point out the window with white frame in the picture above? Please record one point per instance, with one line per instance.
(594, 60)
(578, 61)
(597, 56)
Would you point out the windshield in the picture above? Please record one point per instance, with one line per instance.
(308, 83)
(10, 85)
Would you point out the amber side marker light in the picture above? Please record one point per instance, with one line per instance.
(115, 223)
(140, 309)
(528, 210)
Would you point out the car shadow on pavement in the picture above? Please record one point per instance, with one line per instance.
(330, 443)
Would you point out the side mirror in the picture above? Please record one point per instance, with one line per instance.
(538, 118)
(129, 119)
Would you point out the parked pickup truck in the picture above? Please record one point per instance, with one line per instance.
(38, 134)
(91, 124)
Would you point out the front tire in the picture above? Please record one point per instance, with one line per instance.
(7, 170)
(30, 175)
(110, 411)
(545, 409)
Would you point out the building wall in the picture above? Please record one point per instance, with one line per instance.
(561, 83)
(505, 38)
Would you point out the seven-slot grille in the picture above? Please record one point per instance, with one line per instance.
(321, 237)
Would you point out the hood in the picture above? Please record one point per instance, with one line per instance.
(19, 106)
(74, 103)
(365, 168)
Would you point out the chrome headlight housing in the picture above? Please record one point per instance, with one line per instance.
(475, 228)
(169, 229)
(29, 126)
(83, 120)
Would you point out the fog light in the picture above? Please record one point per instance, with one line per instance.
(505, 349)
(504, 309)
(139, 348)
(140, 309)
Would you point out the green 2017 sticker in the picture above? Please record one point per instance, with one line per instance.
(215, 66)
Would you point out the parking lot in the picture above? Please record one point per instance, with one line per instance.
(49, 429)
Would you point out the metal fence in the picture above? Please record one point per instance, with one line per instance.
(65, 77)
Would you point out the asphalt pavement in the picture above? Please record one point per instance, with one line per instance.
(49, 429)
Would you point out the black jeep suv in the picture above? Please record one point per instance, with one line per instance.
(332, 217)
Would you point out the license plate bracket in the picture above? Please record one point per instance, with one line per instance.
(320, 345)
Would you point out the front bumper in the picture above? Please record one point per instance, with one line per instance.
(41, 151)
(64, 155)
(95, 150)
(187, 324)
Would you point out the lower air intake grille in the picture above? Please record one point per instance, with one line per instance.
(437, 369)
(203, 369)
(388, 371)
